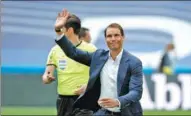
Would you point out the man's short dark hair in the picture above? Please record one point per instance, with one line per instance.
(74, 22)
(114, 25)
(82, 32)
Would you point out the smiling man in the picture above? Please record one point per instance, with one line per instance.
(116, 77)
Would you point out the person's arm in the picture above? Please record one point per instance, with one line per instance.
(135, 86)
(48, 75)
(69, 49)
(72, 52)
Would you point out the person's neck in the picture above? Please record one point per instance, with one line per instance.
(75, 40)
(114, 53)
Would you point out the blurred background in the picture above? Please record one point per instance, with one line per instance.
(150, 26)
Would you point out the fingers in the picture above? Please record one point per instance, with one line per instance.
(106, 102)
(51, 78)
(48, 80)
(64, 13)
(61, 19)
(104, 99)
(102, 102)
(59, 14)
(78, 90)
(107, 105)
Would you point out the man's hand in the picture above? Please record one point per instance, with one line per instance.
(61, 19)
(47, 78)
(80, 90)
(108, 102)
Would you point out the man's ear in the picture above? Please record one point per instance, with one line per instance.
(70, 30)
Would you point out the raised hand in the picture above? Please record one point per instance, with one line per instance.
(61, 19)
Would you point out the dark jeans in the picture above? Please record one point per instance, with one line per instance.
(100, 112)
(82, 112)
(105, 112)
(64, 105)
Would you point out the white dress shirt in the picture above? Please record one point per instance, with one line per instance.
(109, 79)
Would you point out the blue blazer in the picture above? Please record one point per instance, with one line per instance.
(129, 80)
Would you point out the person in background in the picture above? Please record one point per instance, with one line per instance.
(168, 60)
(116, 76)
(72, 76)
(85, 35)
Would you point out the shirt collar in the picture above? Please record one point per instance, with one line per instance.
(79, 44)
(118, 58)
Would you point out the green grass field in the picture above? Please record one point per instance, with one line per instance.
(52, 111)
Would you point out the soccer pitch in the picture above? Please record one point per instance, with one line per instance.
(52, 111)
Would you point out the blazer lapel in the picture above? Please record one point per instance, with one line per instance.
(99, 65)
(122, 68)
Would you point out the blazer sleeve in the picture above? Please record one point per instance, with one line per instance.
(72, 52)
(135, 86)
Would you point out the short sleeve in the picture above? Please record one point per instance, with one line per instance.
(51, 60)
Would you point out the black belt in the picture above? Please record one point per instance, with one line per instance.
(68, 96)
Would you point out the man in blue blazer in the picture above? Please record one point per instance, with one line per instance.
(115, 84)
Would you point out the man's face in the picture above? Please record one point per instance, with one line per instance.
(87, 38)
(114, 39)
(67, 32)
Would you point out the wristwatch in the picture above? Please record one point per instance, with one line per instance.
(58, 30)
